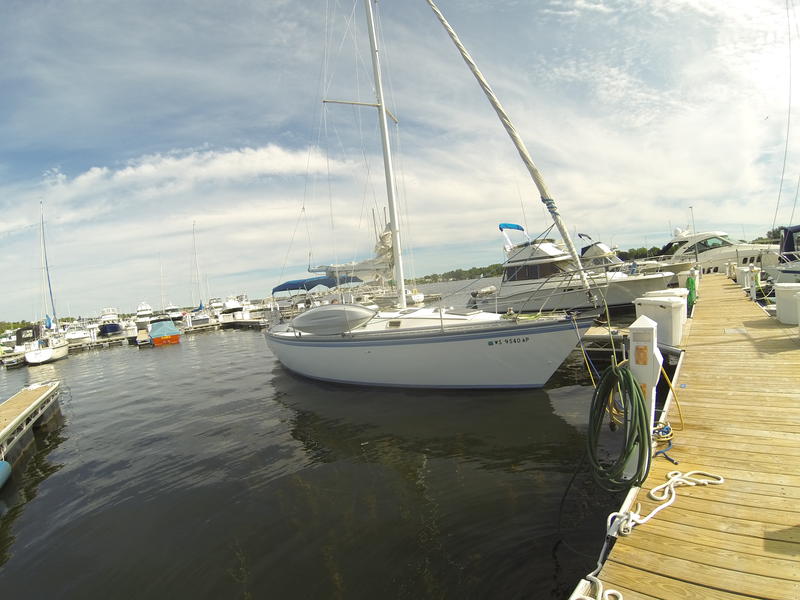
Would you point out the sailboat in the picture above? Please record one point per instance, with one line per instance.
(45, 343)
(423, 347)
(199, 316)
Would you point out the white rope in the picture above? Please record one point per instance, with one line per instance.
(600, 594)
(622, 523)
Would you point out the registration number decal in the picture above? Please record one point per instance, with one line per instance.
(516, 340)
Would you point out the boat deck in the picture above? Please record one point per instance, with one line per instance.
(740, 393)
(20, 412)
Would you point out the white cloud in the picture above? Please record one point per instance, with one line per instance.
(133, 123)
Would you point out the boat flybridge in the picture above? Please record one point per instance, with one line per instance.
(539, 274)
(144, 312)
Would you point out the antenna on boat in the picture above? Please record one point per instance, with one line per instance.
(520, 145)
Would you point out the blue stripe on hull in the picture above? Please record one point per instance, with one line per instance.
(411, 385)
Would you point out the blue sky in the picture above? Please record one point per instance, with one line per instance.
(132, 120)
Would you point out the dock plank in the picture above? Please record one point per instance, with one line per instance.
(729, 579)
(617, 575)
(739, 391)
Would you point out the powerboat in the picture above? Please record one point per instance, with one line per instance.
(173, 312)
(144, 312)
(76, 333)
(109, 323)
(710, 250)
(163, 333)
(540, 274)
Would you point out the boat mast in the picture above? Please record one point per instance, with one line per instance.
(196, 269)
(46, 266)
(523, 151)
(394, 223)
(161, 278)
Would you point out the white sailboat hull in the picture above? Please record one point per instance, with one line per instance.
(507, 355)
(56, 351)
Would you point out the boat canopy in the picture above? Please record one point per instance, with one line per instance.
(790, 245)
(163, 328)
(504, 226)
(28, 333)
(312, 282)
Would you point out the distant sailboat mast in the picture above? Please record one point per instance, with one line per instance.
(196, 281)
(520, 145)
(161, 278)
(45, 265)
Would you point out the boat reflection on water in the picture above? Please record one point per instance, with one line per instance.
(460, 491)
(218, 474)
(30, 470)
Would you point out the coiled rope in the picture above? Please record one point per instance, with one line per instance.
(623, 522)
(619, 390)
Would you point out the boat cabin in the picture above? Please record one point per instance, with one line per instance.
(536, 261)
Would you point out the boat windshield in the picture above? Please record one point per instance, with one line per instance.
(671, 248)
(711, 244)
(527, 272)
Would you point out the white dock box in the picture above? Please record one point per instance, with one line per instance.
(743, 277)
(667, 313)
(785, 302)
(680, 293)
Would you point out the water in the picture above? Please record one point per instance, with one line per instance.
(205, 470)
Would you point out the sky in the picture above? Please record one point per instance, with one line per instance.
(155, 136)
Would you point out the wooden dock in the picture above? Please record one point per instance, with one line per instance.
(21, 412)
(739, 388)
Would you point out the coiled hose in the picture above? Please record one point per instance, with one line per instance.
(632, 417)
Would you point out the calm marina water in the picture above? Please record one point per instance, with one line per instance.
(205, 470)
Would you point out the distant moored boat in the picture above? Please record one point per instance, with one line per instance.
(109, 323)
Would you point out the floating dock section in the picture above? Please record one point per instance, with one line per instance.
(31, 406)
(739, 388)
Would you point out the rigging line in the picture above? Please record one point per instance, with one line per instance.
(788, 114)
(522, 204)
(324, 69)
(402, 193)
(797, 34)
(400, 186)
(360, 128)
(349, 25)
(367, 168)
(330, 189)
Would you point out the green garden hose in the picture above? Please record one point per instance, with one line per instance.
(632, 417)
